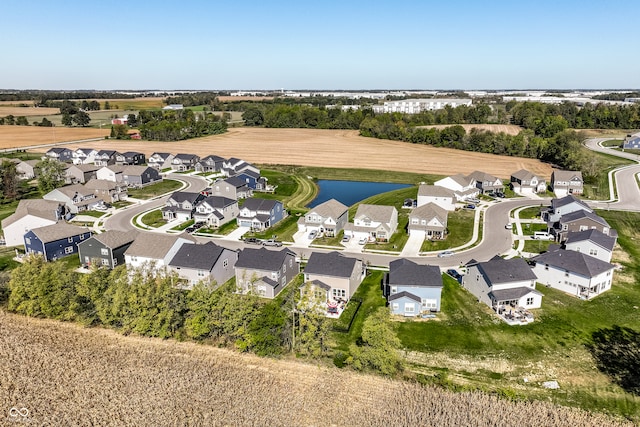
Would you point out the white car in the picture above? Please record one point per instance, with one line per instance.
(313, 235)
(362, 240)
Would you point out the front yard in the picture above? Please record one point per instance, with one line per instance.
(154, 190)
(460, 227)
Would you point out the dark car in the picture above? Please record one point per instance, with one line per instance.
(454, 273)
(253, 241)
(469, 206)
(190, 229)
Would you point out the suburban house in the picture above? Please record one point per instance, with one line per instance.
(106, 249)
(25, 169)
(208, 263)
(563, 206)
(181, 205)
(173, 107)
(463, 186)
(631, 142)
(30, 214)
(81, 173)
(441, 196)
(566, 182)
(334, 275)
(83, 156)
(233, 188)
(234, 166)
(140, 176)
(503, 284)
(429, 220)
(154, 250)
(105, 158)
(412, 289)
(60, 154)
(216, 211)
(591, 242)
(581, 221)
(130, 158)
(575, 273)
(77, 198)
(486, 183)
(265, 272)
(260, 214)
(210, 163)
(107, 191)
(252, 179)
(111, 173)
(525, 182)
(183, 162)
(56, 240)
(373, 222)
(328, 218)
(160, 161)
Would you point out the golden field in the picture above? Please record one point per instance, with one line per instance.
(24, 136)
(332, 148)
(64, 374)
(508, 129)
(6, 110)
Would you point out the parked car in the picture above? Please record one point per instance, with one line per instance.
(454, 273)
(508, 226)
(271, 242)
(445, 254)
(542, 235)
(470, 206)
(190, 229)
(313, 234)
(474, 200)
(346, 238)
(362, 240)
(500, 194)
(253, 241)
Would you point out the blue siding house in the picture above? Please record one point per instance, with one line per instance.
(250, 177)
(413, 289)
(632, 142)
(260, 214)
(55, 241)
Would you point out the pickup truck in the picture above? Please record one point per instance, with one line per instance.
(271, 242)
(253, 241)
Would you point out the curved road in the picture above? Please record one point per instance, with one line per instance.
(495, 238)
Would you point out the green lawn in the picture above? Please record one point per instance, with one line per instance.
(153, 219)
(599, 189)
(357, 174)
(223, 230)
(612, 143)
(460, 231)
(95, 214)
(528, 229)
(537, 246)
(530, 213)
(184, 225)
(284, 230)
(153, 190)
(330, 241)
(398, 239)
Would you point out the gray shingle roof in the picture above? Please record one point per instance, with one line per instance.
(594, 236)
(511, 293)
(500, 270)
(181, 196)
(377, 213)
(577, 215)
(256, 204)
(428, 211)
(404, 294)
(560, 175)
(100, 184)
(197, 257)
(185, 156)
(218, 201)
(155, 245)
(114, 239)
(566, 200)
(236, 181)
(408, 273)
(263, 259)
(524, 175)
(574, 262)
(435, 191)
(482, 176)
(41, 208)
(330, 209)
(58, 231)
(332, 264)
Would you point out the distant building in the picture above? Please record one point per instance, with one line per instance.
(415, 106)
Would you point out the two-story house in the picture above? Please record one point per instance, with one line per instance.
(105, 158)
(60, 154)
(80, 173)
(216, 211)
(486, 183)
(233, 188)
(77, 198)
(153, 251)
(111, 173)
(631, 142)
(526, 182)
(573, 272)
(502, 283)
(184, 162)
(260, 214)
(107, 191)
(130, 158)
(334, 275)
(83, 156)
(429, 220)
(140, 176)
(181, 205)
(208, 263)
(581, 221)
(563, 206)
(463, 186)
(412, 289)
(105, 249)
(210, 163)
(566, 182)
(55, 241)
(265, 272)
(327, 218)
(30, 214)
(160, 161)
(441, 196)
(373, 222)
(591, 242)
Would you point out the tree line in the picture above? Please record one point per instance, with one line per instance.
(42, 97)
(178, 125)
(148, 303)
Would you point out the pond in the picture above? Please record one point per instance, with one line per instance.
(350, 192)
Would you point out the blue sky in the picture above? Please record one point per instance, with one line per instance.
(401, 44)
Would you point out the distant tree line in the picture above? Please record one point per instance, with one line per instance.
(11, 120)
(178, 125)
(41, 97)
(618, 96)
(195, 99)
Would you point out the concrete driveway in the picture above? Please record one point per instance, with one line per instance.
(413, 245)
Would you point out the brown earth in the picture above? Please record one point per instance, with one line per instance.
(6, 110)
(333, 148)
(508, 129)
(24, 136)
(61, 374)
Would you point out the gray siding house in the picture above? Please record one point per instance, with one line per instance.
(140, 176)
(265, 272)
(160, 161)
(413, 289)
(208, 263)
(328, 218)
(106, 249)
(335, 274)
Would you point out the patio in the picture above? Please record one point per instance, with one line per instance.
(514, 315)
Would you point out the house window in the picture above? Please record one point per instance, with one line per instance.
(530, 301)
(395, 306)
(566, 274)
(339, 293)
(593, 252)
(429, 303)
(70, 239)
(394, 289)
(115, 262)
(274, 275)
(104, 251)
(105, 261)
(284, 280)
(68, 250)
(134, 258)
(225, 263)
(409, 307)
(284, 268)
(28, 240)
(200, 273)
(415, 221)
(82, 237)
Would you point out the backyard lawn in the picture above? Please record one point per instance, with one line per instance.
(154, 190)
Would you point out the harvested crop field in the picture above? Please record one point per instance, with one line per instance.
(24, 136)
(335, 149)
(6, 110)
(61, 374)
(508, 129)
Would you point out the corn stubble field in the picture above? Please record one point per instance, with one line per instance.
(68, 375)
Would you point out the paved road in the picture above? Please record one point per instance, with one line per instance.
(625, 179)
